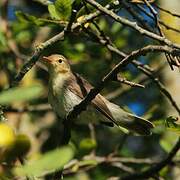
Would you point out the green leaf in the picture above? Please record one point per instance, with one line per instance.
(20, 94)
(3, 40)
(52, 12)
(164, 171)
(88, 144)
(26, 18)
(115, 28)
(63, 8)
(79, 47)
(166, 145)
(24, 37)
(168, 141)
(21, 16)
(175, 129)
(49, 162)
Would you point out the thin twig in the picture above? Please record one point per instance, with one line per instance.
(128, 59)
(110, 160)
(139, 65)
(168, 27)
(155, 15)
(130, 83)
(136, 15)
(162, 89)
(131, 24)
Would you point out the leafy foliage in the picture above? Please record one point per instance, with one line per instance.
(55, 159)
(33, 131)
(63, 7)
(26, 18)
(53, 12)
(60, 10)
(20, 94)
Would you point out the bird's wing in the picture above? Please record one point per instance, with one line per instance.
(81, 87)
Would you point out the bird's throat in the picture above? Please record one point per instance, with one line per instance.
(57, 82)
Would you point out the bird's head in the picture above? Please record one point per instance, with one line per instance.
(56, 63)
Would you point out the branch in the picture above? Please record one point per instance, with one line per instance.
(136, 15)
(131, 24)
(32, 60)
(119, 162)
(154, 16)
(156, 168)
(141, 1)
(130, 83)
(160, 21)
(144, 68)
(40, 49)
(128, 59)
(162, 88)
(76, 6)
(119, 91)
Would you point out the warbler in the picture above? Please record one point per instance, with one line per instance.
(67, 89)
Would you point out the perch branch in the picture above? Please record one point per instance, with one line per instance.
(128, 59)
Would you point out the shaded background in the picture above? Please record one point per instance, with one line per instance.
(19, 36)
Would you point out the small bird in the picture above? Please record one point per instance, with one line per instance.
(67, 89)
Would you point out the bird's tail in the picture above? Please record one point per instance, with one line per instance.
(130, 121)
(138, 125)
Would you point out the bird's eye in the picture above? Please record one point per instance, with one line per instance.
(60, 61)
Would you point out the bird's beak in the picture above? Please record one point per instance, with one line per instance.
(47, 59)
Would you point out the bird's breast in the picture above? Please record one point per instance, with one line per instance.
(61, 98)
